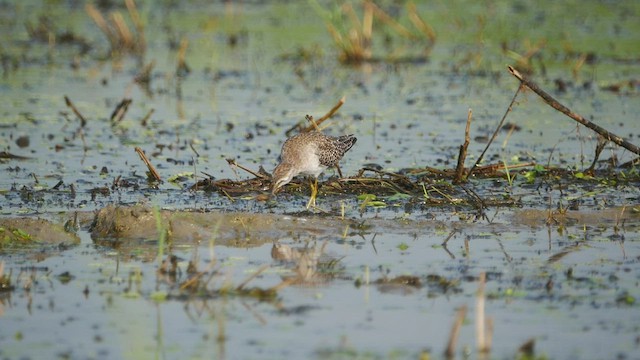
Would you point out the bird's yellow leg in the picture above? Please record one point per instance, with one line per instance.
(314, 192)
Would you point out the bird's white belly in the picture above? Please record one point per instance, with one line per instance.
(310, 165)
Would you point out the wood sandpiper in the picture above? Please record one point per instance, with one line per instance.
(309, 153)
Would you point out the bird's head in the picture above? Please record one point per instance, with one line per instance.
(282, 175)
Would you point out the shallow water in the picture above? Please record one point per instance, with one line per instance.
(572, 285)
(107, 310)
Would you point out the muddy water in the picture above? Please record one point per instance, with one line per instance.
(568, 280)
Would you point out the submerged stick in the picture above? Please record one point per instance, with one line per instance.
(565, 110)
(152, 170)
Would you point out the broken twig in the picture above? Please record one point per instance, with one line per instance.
(152, 171)
(459, 178)
(495, 133)
(83, 121)
(121, 109)
(315, 123)
(565, 110)
(232, 162)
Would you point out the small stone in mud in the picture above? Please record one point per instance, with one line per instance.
(22, 141)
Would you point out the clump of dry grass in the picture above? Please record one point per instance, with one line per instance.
(353, 33)
(121, 38)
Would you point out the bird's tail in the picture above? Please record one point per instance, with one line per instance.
(345, 142)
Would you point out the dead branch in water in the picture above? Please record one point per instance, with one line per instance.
(609, 136)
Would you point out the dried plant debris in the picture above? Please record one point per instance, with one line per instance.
(428, 185)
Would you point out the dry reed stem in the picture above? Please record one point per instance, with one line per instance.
(137, 22)
(367, 26)
(126, 38)
(347, 8)
(152, 171)
(495, 132)
(117, 31)
(315, 123)
(83, 121)
(578, 65)
(512, 129)
(182, 53)
(145, 119)
(101, 23)
(602, 142)
(121, 109)
(420, 24)
(459, 177)
(232, 163)
(385, 18)
(356, 41)
(144, 76)
(335, 34)
(333, 110)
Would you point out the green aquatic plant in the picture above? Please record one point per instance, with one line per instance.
(162, 233)
(534, 173)
(370, 200)
(508, 174)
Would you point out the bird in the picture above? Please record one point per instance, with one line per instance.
(309, 153)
